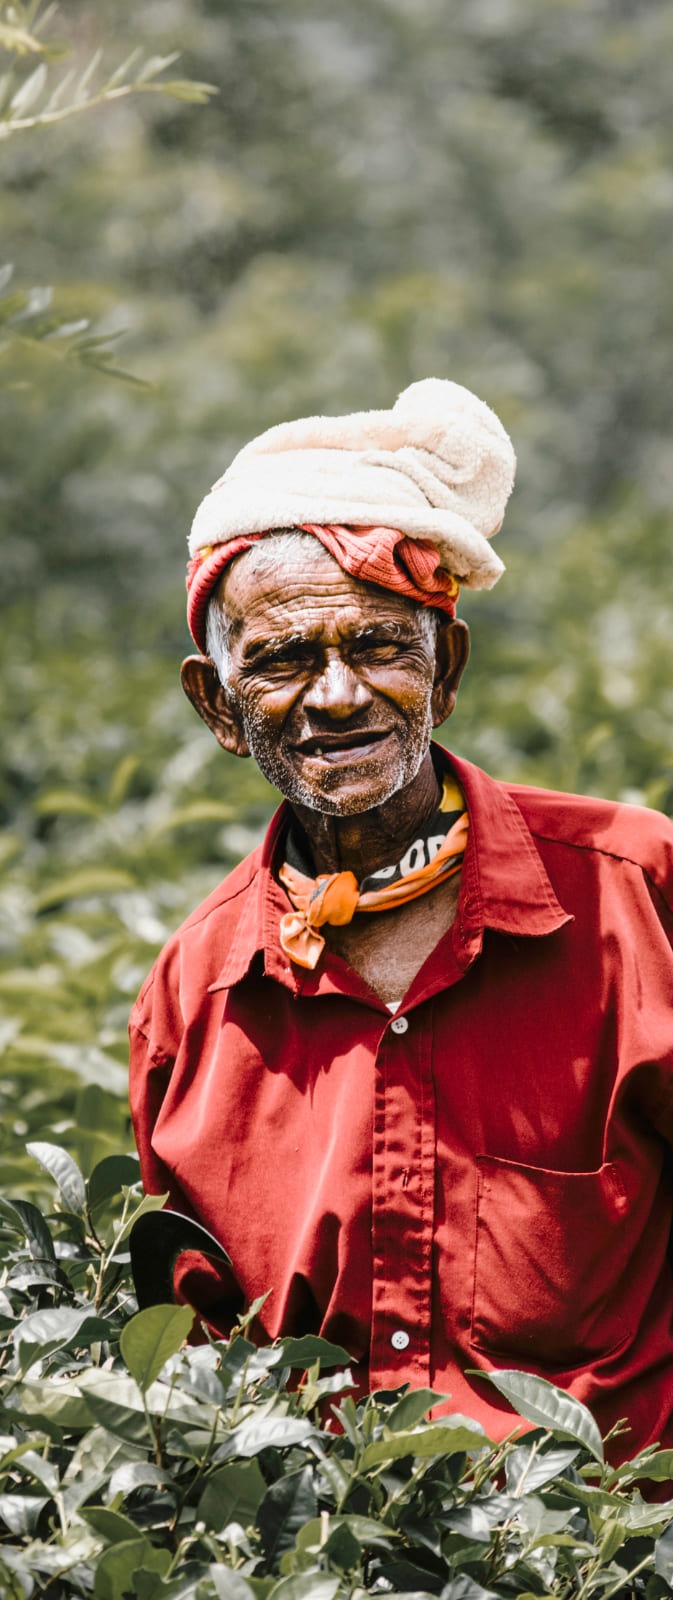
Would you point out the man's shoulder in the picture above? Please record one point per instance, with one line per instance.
(628, 833)
(200, 943)
(224, 901)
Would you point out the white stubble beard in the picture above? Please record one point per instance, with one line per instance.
(264, 751)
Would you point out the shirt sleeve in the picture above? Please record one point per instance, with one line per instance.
(156, 1029)
(149, 1075)
(210, 1287)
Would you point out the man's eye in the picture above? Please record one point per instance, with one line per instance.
(290, 661)
(379, 649)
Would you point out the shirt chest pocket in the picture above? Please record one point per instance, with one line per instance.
(550, 1253)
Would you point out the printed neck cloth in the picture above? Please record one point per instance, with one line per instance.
(335, 897)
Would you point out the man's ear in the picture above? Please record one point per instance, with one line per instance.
(202, 686)
(452, 651)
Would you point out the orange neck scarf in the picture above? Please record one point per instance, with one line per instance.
(335, 897)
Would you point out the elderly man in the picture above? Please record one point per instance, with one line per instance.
(412, 1062)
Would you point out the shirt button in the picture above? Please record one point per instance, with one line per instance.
(400, 1024)
(399, 1339)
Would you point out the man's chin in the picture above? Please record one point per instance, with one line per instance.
(341, 788)
(349, 793)
(347, 805)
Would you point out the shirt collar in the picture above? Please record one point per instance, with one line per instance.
(256, 916)
(504, 885)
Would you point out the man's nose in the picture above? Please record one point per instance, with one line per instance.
(337, 689)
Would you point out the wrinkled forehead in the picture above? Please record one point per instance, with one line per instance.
(291, 583)
(277, 561)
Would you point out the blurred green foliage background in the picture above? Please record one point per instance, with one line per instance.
(380, 190)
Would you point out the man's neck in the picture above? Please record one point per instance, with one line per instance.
(364, 843)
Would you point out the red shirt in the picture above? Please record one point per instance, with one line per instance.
(481, 1180)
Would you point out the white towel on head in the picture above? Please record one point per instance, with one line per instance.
(438, 466)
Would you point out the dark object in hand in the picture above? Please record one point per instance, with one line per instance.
(157, 1240)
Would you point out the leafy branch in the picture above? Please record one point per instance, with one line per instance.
(28, 320)
(34, 100)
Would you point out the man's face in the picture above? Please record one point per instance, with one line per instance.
(331, 680)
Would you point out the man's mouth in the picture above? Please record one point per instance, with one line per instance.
(336, 747)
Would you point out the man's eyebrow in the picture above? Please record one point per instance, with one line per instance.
(386, 630)
(391, 628)
(270, 648)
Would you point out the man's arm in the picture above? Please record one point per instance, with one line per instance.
(198, 1280)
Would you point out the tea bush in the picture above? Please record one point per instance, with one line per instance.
(136, 1467)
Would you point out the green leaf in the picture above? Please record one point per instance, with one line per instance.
(63, 802)
(132, 1475)
(64, 1171)
(43, 1404)
(542, 1403)
(287, 1505)
(122, 1393)
(528, 1469)
(21, 1512)
(109, 1176)
(465, 1588)
(43, 1332)
(85, 77)
(121, 1420)
(342, 1549)
(153, 65)
(304, 1352)
(122, 779)
(612, 1535)
(412, 1408)
(197, 812)
(30, 91)
(113, 1527)
(116, 1568)
(151, 1338)
(663, 1557)
(92, 1467)
(194, 93)
(36, 1466)
(472, 1521)
(86, 884)
(646, 1518)
(261, 1433)
(434, 1440)
(121, 73)
(599, 1500)
(247, 1318)
(149, 1202)
(657, 1466)
(369, 1533)
(232, 1494)
(228, 1585)
(307, 1586)
(34, 1228)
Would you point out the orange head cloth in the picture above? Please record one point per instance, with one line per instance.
(335, 897)
(411, 567)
